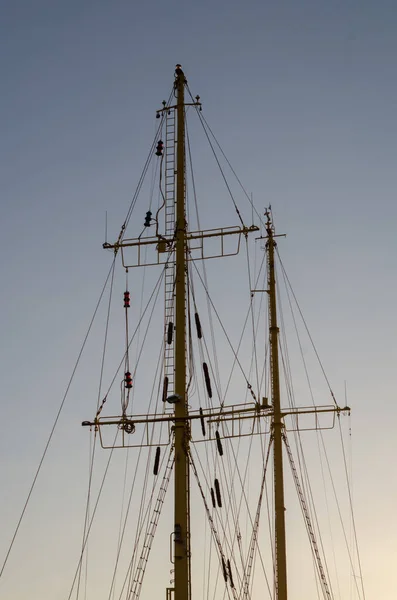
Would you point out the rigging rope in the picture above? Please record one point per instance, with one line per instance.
(222, 326)
(289, 287)
(319, 436)
(154, 293)
(135, 590)
(141, 514)
(56, 421)
(326, 588)
(307, 330)
(255, 354)
(142, 177)
(254, 535)
(93, 515)
(305, 481)
(219, 165)
(204, 122)
(351, 509)
(340, 514)
(211, 522)
(92, 454)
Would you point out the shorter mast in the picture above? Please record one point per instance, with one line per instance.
(277, 423)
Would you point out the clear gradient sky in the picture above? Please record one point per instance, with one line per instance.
(303, 96)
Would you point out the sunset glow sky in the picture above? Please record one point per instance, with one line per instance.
(303, 96)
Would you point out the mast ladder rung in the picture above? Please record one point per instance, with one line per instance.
(306, 514)
(169, 217)
(135, 589)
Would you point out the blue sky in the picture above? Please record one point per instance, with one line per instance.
(302, 96)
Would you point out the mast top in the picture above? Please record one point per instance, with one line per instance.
(178, 71)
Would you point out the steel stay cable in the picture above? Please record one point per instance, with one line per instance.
(328, 514)
(308, 498)
(242, 496)
(246, 319)
(233, 509)
(140, 524)
(125, 394)
(340, 514)
(211, 326)
(226, 540)
(215, 455)
(203, 352)
(153, 517)
(210, 452)
(141, 179)
(155, 289)
(141, 519)
(55, 422)
(218, 163)
(253, 541)
(93, 514)
(161, 206)
(231, 494)
(327, 590)
(157, 286)
(211, 522)
(333, 397)
(122, 529)
(217, 520)
(242, 484)
(222, 326)
(236, 352)
(86, 518)
(351, 508)
(124, 525)
(139, 531)
(270, 523)
(256, 329)
(255, 354)
(233, 171)
(140, 316)
(227, 186)
(125, 520)
(205, 277)
(189, 152)
(288, 374)
(106, 334)
(204, 122)
(86, 554)
(119, 542)
(307, 330)
(211, 455)
(319, 435)
(232, 476)
(216, 374)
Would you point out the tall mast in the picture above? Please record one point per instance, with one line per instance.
(174, 244)
(277, 423)
(182, 500)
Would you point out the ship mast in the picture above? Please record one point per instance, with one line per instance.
(175, 243)
(277, 424)
(181, 481)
